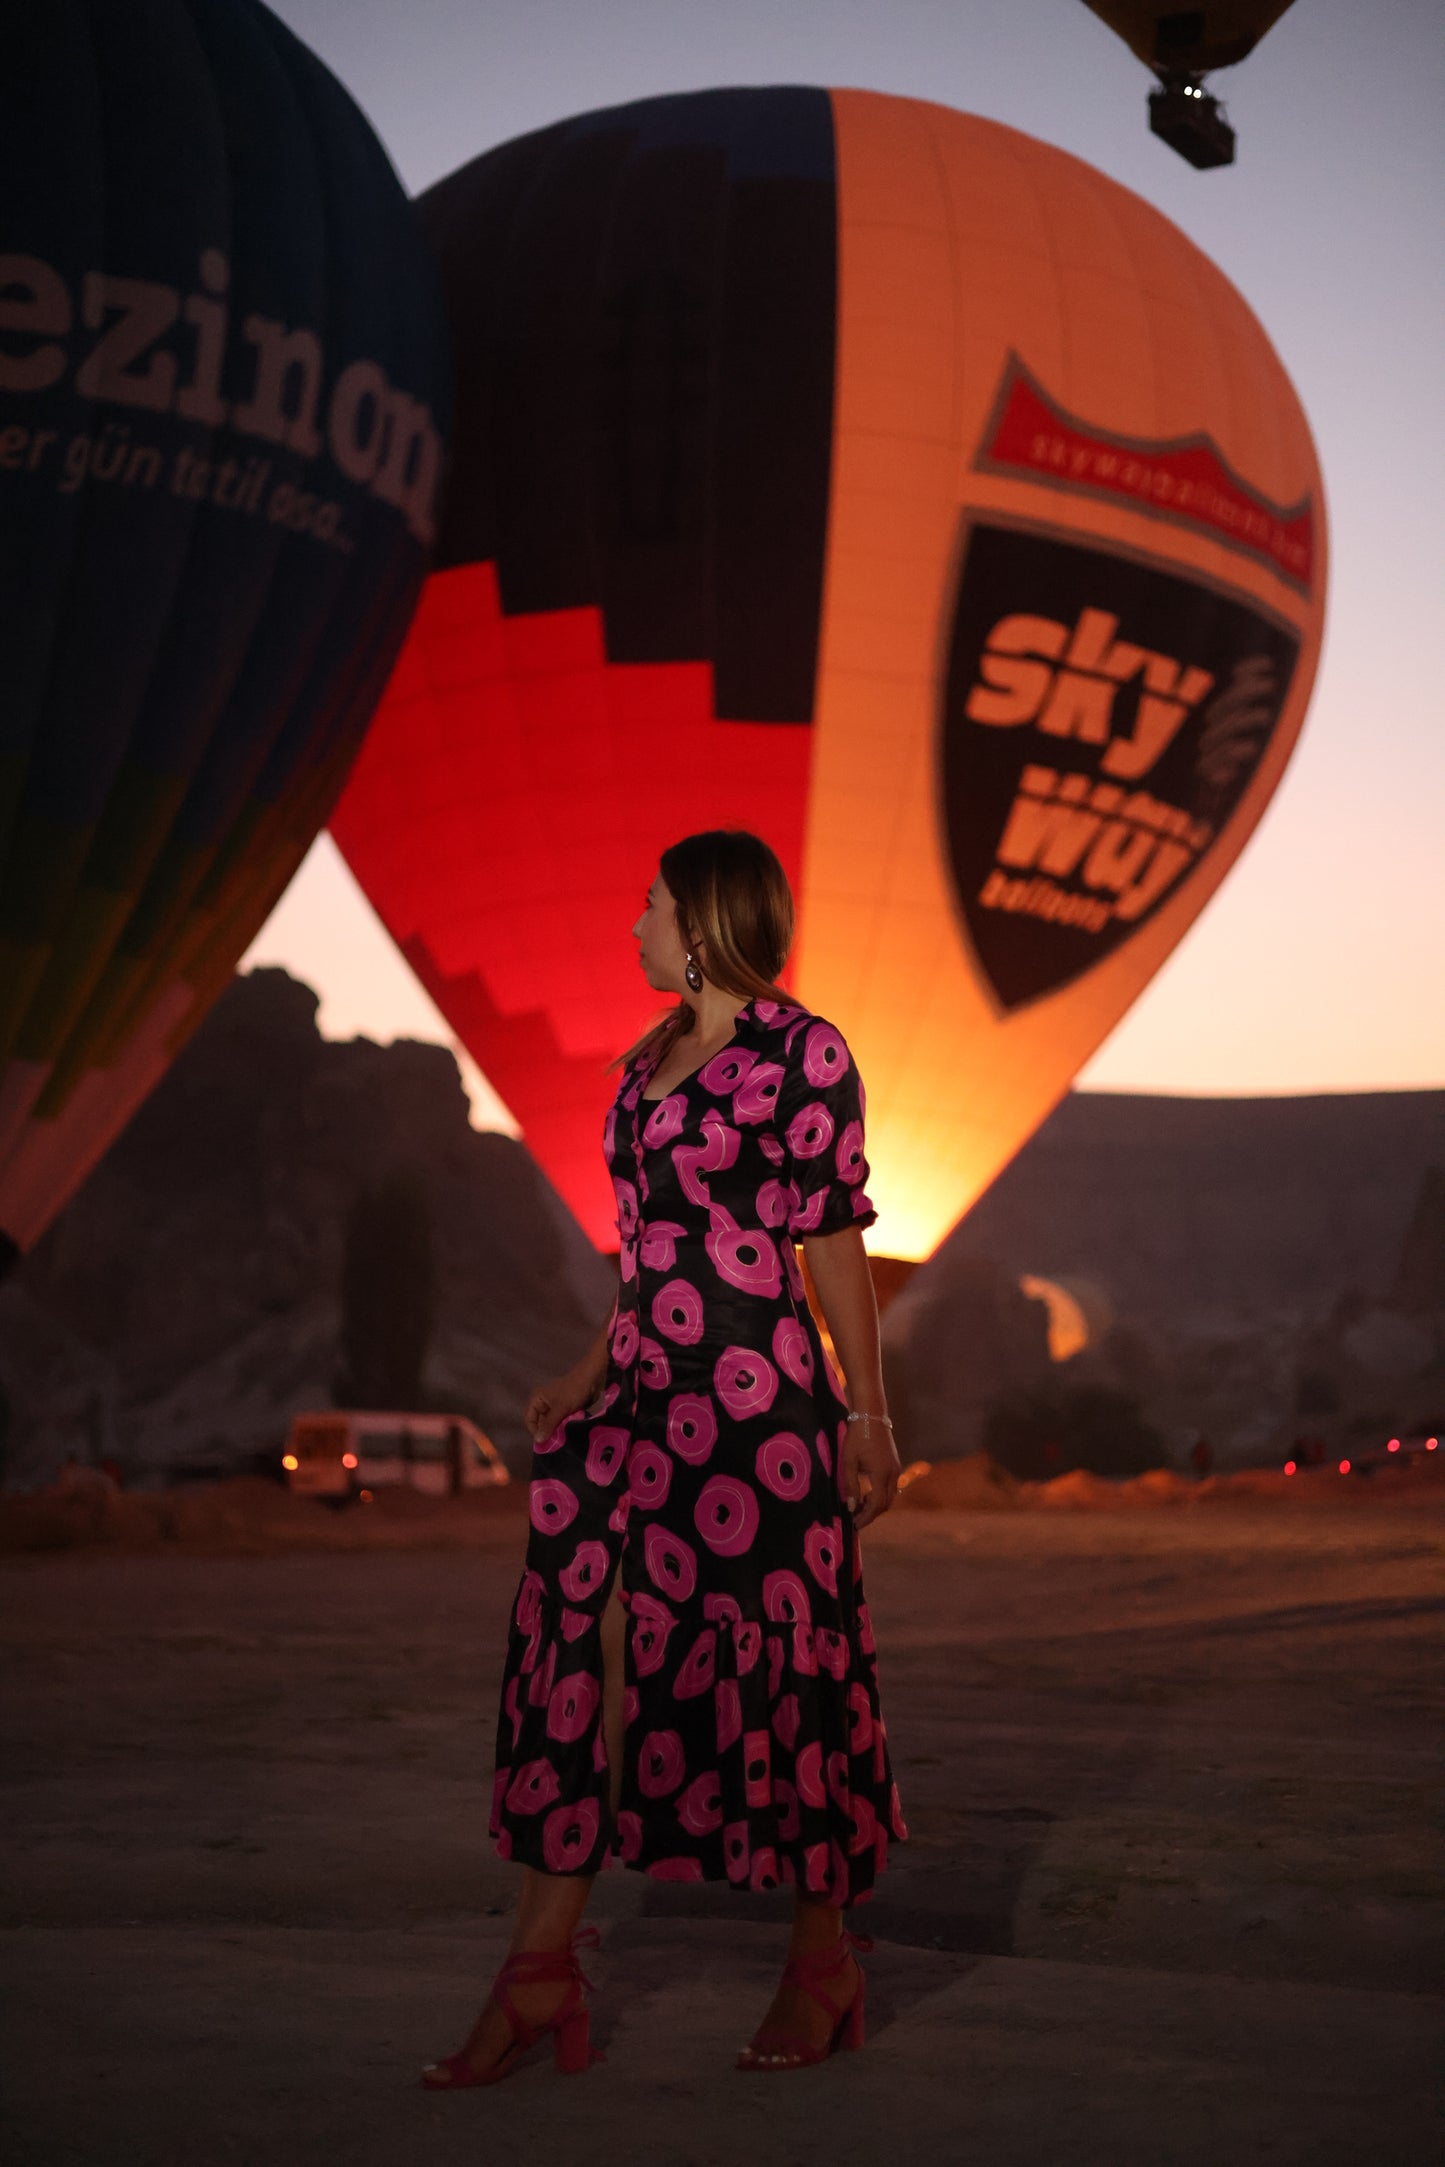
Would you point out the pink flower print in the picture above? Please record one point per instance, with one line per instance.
(661, 1764)
(504, 1842)
(671, 1562)
(576, 1622)
(773, 1202)
(726, 1515)
(629, 1835)
(586, 1572)
(825, 1057)
(866, 1641)
(757, 1095)
(785, 1806)
(822, 1550)
(617, 1518)
(747, 1383)
(747, 1645)
(553, 1506)
(815, 1869)
(849, 1155)
(700, 1807)
(792, 1352)
(805, 1655)
(726, 1070)
(682, 1868)
(718, 1149)
(529, 1601)
(659, 1244)
(784, 1467)
(838, 1885)
(652, 1365)
(649, 1476)
(665, 1120)
(606, 1450)
(825, 1452)
(779, 1013)
(861, 1204)
(698, 1667)
(860, 1716)
(831, 1649)
(895, 1815)
(652, 1623)
(880, 1751)
(677, 1312)
(836, 1769)
(735, 1850)
(792, 1271)
(539, 1686)
(771, 1148)
(534, 1785)
(609, 1133)
(626, 1195)
(572, 1706)
(786, 1719)
(809, 1216)
(775, 1664)
(728, 1710)
(865, 1825)
(744, 1257)
(810, 1131)
(631, 1705)
(808, 1769)
(763, 1868)
(785, 1599)
(599, 1754)
(624, 1340)
(722, 1610)
(691, 1427)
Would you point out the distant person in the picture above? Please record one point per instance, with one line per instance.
(699, 1482)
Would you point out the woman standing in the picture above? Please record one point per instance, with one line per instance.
(690, 1679)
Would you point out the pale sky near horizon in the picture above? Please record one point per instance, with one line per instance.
(1320, 965)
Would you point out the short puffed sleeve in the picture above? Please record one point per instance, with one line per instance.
(819, 1119)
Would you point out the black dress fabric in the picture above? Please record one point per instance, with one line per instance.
(704, 1480)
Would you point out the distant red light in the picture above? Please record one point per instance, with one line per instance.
(1432, 1444)
(1344, 1467)
(1394, 1445)
(1289, 1467)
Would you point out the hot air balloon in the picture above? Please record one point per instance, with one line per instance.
(1182, 46)
(882, 480)
(221, 366)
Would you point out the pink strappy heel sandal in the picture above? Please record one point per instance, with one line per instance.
(569, 2025)
(813, 1974)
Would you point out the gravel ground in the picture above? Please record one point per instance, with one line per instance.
(1174, 1890)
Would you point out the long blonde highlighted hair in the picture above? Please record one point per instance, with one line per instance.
(732, 893)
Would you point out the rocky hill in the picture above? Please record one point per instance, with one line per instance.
(1245, 1268)
(1242, 1267)
(188, 1300)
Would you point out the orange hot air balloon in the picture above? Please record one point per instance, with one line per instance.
(885, 481)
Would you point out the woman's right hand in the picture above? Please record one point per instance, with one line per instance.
(552, 1403)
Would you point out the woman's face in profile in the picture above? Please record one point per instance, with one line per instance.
(660, 950)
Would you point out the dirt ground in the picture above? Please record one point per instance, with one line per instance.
(1173, 1895)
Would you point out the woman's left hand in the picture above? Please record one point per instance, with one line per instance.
(870, 1470)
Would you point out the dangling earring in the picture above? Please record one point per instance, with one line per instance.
(692, 974)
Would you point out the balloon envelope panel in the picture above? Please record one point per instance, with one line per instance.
(880, 479)
(221, 380)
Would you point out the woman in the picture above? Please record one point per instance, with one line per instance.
(690, 1680)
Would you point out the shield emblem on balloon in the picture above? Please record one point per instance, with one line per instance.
(882, 480)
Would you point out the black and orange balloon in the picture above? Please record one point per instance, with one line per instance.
(222, 357)
(878, 478)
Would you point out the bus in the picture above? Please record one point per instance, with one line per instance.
(343, 1453)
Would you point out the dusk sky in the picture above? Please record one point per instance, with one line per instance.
(1321, 963)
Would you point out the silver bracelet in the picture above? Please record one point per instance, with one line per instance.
(859, 1416)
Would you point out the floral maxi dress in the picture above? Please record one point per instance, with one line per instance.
(704, 1480)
